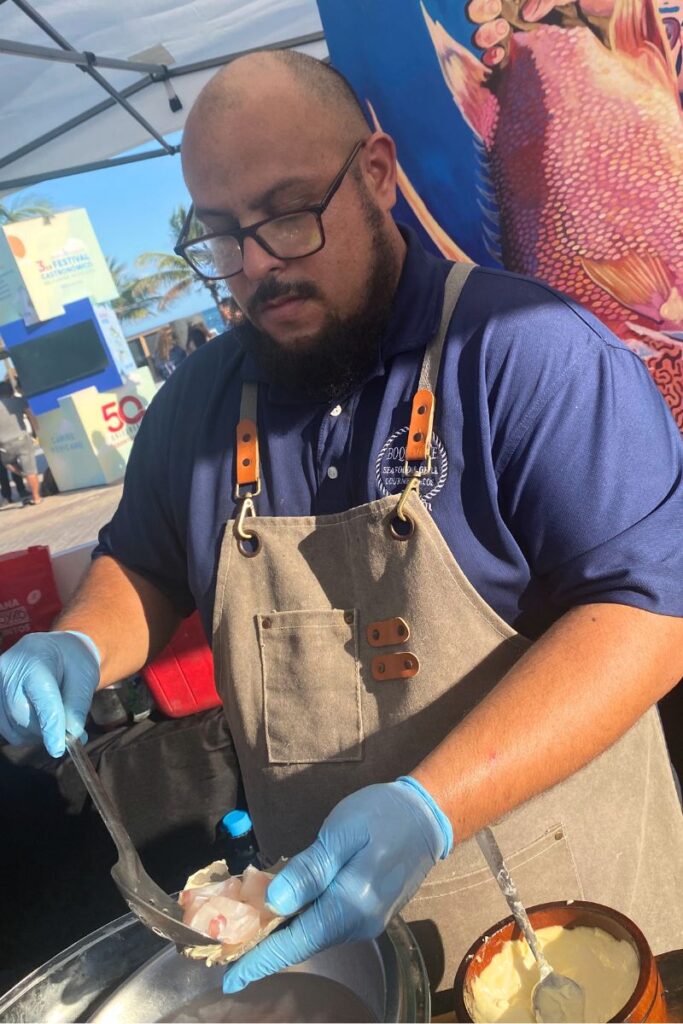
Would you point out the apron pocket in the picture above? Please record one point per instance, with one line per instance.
(311, 686)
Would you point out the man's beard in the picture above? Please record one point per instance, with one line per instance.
(332, 363)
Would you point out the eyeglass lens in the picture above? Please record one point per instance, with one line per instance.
(287, 237)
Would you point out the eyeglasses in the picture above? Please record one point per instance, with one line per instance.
(287, 237)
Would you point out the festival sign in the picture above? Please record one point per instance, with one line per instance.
(14, 300)
(58, 259)
(88, 438)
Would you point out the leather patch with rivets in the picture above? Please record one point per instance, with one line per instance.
(388, 631)
(420, 430)
(394, 666)
(246, 454)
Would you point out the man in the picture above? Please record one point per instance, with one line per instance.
(362, 635)
(225, 308)
(17, 450)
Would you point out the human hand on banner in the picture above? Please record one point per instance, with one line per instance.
(496, 17)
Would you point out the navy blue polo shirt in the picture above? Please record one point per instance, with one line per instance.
(557, 467)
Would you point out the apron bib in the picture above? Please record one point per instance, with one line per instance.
(348, 646)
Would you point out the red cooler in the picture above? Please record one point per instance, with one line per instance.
(29, 602)
(181, 677)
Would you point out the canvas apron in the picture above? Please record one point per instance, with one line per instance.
(344, 654)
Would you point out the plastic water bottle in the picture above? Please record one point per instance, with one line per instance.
(236, 842)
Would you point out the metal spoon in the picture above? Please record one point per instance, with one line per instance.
(555, 998)
(149, 903)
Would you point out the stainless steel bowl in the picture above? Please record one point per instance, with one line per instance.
(122, 972)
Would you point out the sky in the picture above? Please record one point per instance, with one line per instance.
(129, 208)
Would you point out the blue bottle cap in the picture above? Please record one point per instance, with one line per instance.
(237, 823)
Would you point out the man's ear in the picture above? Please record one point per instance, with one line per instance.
(378, 161)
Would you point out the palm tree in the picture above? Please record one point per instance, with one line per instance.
(171, 277)
(25, 207)
(137, 299)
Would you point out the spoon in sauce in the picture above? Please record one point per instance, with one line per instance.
(555, 999)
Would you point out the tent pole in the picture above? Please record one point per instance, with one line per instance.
(95, 75)
(98, 165)
(161, 73)
(74, 57)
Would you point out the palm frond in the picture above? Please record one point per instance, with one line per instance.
(162, 260)
(174, 293)
(170, 277)
(26, 207)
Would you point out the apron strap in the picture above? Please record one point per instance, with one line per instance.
(419, 443)
(455, 283)
(249, 400)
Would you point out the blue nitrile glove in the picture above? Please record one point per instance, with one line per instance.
(371, 855)
(47, 681)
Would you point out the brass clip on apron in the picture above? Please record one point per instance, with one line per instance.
(247, 486)
(419, 453)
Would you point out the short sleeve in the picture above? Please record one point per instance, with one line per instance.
(145, 533)
(593, 491)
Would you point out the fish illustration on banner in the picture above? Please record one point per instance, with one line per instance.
(543, 137)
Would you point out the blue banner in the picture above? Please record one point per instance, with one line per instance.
(386, 52)
(543, 136)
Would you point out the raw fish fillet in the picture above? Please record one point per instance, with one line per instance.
(229, 908)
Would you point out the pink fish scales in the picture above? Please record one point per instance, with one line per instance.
(584, 150)
(587, 160)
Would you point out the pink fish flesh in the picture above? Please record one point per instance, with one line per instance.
(232, 910)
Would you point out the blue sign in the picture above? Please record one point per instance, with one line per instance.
(60, 356)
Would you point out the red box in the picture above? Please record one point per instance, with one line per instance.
(29, 601)
(181, 677)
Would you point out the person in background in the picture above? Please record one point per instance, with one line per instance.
(197, 335)
(396, 673)
(17, 447)
(6, 487)
(169, 353)
(225, 308)
(230, 312)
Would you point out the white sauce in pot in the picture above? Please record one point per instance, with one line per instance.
(606, 968)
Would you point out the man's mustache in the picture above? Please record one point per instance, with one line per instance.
(271, 289)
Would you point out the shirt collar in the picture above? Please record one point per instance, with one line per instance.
(416, 309)
(414, 318)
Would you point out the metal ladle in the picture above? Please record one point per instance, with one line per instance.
(555, 999)
(146, 899)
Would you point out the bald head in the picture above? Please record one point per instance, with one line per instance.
(285, 80)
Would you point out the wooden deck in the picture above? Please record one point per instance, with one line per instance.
(62, 521)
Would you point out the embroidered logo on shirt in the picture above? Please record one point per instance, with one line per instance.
(390, 464)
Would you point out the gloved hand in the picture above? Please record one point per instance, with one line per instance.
(47, 681)
(371, 855)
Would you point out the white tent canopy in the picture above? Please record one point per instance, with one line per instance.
(66, 83)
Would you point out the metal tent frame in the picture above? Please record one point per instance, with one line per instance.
(154, 74)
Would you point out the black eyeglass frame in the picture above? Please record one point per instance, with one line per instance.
(239, 234)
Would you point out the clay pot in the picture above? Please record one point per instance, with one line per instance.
(647, 1002)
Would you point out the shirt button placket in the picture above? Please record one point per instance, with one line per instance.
(333, 436)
